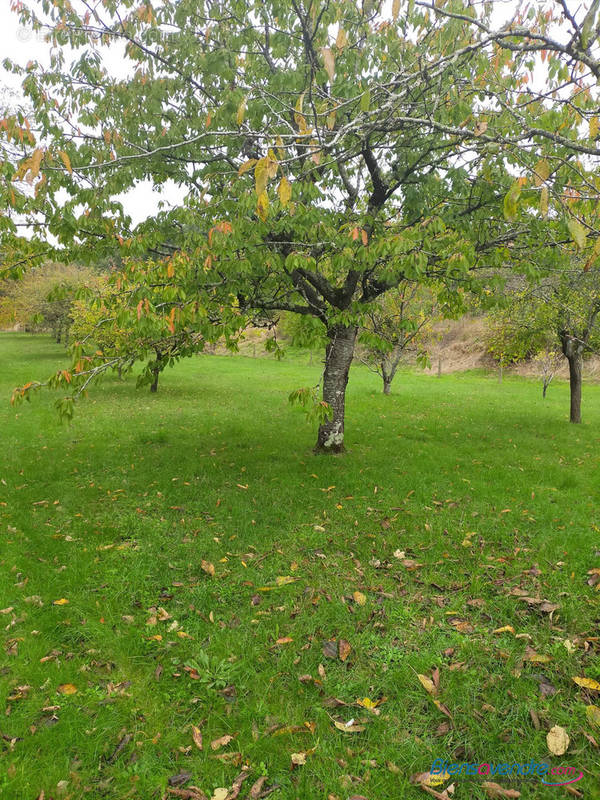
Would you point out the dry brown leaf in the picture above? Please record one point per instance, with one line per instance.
(348, 727)
(298, 759)
(461, 625)
(330, 649)
(496, 791)
(197, 736)
(236, 786)
(216, 744)
(344, 648)
(208, 567)
(558, 740)
(256, 788)
(430, 779)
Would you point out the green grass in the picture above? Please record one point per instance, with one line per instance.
(486, 487)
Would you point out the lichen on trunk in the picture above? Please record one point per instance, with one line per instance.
(338, 358)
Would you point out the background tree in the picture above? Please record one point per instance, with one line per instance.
(396, 325)
(326, 151)
(43, 299)
(560, 313)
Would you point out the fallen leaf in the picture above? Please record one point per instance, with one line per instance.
(298, 759)
(284, 640)
(505, 629)
(221, 741)
(330, 649)
(359, 598)
(236, 786)
(430, 779)
(558, 740)
(344, 649)
(62, 602)
(197, 736)
(588, 683)
(67, 688)
(462, 625)
(348, 727)
(179, 779)
(283, 580)
(495, 790)
(208, 567)
(593, 715)
(220, 794)
(256, 788)
(427, 684)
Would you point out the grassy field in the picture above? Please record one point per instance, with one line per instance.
(179, 568)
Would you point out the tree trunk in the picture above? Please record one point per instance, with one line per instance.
(338, 358)
(575, 372)
(387, 384)
(154, 384)
(573, 351)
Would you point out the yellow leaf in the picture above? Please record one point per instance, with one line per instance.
(298, 116)
(593, 127)
(184, 635)
(247, 165)
(329, 61)
(241, 112)
(283, 580)
(557, 740)
(261, 175)
(34, 164)
(342, 39)
(544, 202)
(395, 9)
(505, 629)
(359, 598)
(66, 161)
(541, 171)
(593, 715)
(427, 684)
(366, 702)
(262, 206)
(62, 602)
(578, 232)
(67, 688)
(298, 759)
(588, 683)
(284, 190)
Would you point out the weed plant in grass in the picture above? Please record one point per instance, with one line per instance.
(180, 564)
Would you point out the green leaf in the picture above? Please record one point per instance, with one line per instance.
(578, 232)
(511, 200)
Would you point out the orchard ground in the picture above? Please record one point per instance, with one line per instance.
(454, 540)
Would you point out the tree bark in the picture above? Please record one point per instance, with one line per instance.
(573, 351)
(338, 358)
(387, 384)
(575, 372)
